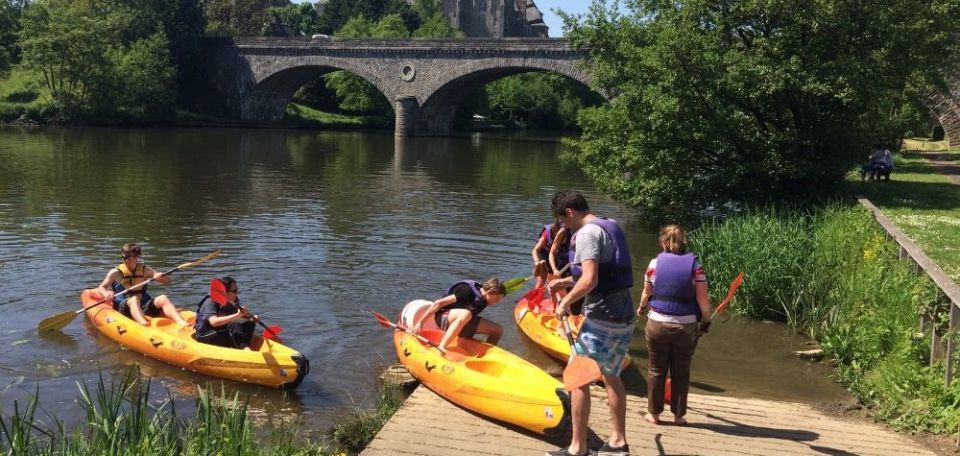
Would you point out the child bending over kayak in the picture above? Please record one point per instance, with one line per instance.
(227, 325)
(458, 312)
(137, 304)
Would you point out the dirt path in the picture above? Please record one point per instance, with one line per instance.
(428, 425)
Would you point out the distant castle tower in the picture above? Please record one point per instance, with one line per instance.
(496, 18)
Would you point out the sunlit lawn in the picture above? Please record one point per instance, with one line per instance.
(921, 201)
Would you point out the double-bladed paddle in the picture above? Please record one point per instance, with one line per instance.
(218, 293)
(386, 323)
(62, 319)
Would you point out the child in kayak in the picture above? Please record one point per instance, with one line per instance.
(226, 325)
(458, 311)
(137, 304)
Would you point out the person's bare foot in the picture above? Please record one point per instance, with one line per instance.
(652, 419)
(679, 421)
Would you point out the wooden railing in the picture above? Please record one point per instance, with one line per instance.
(949, 288)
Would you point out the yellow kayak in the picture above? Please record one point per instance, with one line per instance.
(534, 315)
(487, 380)
(267, 363)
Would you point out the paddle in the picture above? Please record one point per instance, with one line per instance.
(218, 293)
(386, 323)
(734, 285)
(62, 319)
(581, 369)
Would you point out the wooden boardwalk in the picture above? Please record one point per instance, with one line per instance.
(428, 425)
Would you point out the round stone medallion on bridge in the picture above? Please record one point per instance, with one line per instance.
(408, 72)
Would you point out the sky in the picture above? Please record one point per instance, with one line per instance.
(569, 6)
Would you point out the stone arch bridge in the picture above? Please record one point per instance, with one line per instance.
(424, 79)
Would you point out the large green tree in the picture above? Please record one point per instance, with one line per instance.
(720, 101)
(98, 60)
(9, 27)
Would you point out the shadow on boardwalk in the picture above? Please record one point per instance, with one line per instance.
(428, 425)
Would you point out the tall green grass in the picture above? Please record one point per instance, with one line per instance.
(123, 420)
(830, 273)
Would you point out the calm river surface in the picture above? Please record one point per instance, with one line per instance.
(316, 227)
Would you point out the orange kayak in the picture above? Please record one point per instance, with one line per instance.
(488, 380)
(534, 315)
(267, 363)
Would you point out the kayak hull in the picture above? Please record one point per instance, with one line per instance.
(268, 363)
(536, 320)
(488, 380)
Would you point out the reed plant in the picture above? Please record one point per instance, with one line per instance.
(122, 417)
(829, 272)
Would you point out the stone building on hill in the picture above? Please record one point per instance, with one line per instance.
(496, 18)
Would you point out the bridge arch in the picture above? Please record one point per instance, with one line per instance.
(268, 98)
(945, 107)
(439, 106)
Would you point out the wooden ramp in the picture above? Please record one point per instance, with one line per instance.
(428, 425)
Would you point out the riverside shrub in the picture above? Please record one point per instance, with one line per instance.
(830, 273)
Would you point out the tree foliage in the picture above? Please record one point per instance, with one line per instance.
(301, 19)
(238, 17)
(542, 100)
(98, 59)
(9, 27)
(751, 100)
(336, 13)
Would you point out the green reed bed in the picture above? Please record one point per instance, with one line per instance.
(830, 273)
(122, 419)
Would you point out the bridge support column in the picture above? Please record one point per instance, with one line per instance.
(407, 110)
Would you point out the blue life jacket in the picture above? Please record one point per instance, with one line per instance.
(614, 275)
(478, 303)
(673, 290)
(202, 325)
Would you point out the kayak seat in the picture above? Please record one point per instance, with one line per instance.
(491, 368)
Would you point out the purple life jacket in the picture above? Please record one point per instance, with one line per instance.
(614, 275)
(478, 303)
(673, 290)
(548, 229)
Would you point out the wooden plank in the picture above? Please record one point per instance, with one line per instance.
(428, 425)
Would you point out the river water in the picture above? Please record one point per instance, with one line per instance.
(317, 227)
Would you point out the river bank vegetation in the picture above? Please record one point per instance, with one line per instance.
(830, 273)
(124, 418)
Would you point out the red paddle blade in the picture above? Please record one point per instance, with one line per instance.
(271, 332)
(581, 370)
(218, 291)
(534, 297)
(733, 289)
(384, 321)
(668, 391)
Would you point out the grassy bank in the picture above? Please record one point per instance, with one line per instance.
(922, 201)
(830, 273)
(122, 418)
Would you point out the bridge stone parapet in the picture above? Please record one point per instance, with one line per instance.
(425, 79)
